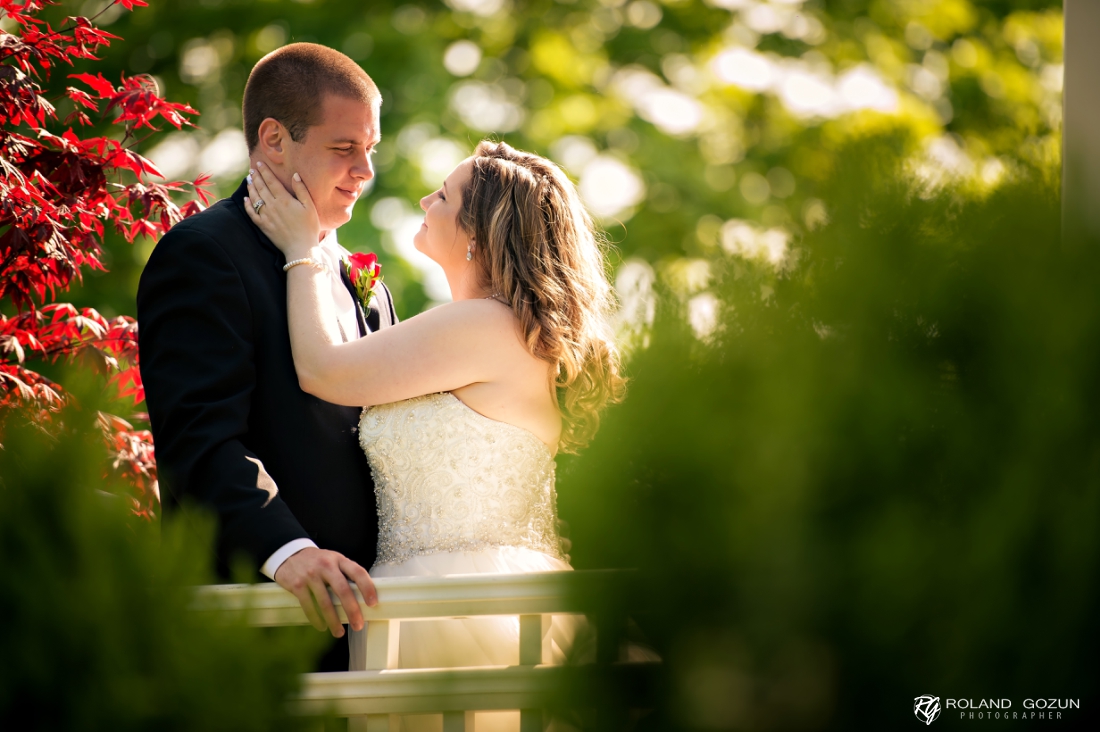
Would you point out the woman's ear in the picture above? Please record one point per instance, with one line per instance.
(273, 138)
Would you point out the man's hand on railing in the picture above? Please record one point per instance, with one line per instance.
(310, 573)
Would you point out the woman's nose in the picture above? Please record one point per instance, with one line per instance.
(424, 202)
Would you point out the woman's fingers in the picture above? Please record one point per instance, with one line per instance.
(288, 218)
(301, 192)
(271, 184)
(266, 183)
(253, 195)
(251, 211)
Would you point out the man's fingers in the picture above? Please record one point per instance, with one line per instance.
(362, 579)
(339, 584)
(311, 573)
(305, 599)
(328, 611)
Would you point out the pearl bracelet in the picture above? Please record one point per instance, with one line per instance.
(304, 260)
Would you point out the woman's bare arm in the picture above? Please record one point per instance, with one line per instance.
(446, 348)
(443, 349)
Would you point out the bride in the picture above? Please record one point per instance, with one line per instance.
(467, 403)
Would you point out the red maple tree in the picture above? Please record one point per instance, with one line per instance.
(58, 192)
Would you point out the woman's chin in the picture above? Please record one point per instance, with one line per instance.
(418, 244)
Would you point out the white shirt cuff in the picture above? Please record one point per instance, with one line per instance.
(271, 566)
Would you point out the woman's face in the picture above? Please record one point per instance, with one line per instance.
(440, 236)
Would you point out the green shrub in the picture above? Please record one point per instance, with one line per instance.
(880, 476)
(95, 627)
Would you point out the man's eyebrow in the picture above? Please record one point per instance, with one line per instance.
(356, 141)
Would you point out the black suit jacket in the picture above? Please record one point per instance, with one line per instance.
(233, 429)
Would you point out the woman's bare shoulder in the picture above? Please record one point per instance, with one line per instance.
(479, 314)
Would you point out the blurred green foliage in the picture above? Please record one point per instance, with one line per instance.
(693, 112)
(858, 460)
(876, 475)
(96, 630)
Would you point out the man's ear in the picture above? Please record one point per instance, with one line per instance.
(273, 138)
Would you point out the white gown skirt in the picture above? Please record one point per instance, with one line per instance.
(483, 641)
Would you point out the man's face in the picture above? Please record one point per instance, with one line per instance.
(334, 157)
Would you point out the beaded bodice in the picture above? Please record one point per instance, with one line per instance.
(450, 479)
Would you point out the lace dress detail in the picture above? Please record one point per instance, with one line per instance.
(450, 479)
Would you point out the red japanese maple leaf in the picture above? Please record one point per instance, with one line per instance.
(58, 192)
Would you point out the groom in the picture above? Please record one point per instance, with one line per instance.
(281, 469)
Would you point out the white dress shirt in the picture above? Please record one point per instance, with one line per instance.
(332, 253)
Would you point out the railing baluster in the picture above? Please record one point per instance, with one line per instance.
(370, 723)
(458, 722)
(357, 652)
(530, 654)
(383, 643)
(610, 629)
(530, 640)
(383, 651)
(530, 720)
(357, 649)
(375, 723)
(375, 647)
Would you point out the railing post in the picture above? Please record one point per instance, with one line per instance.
(610, 627)
(357, 649)
(375, 647)
(530, 720)
(530, 654)
(458, 722)
(375, 723)
(383, 643)
(530, 640)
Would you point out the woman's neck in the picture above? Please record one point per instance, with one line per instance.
(464, 285)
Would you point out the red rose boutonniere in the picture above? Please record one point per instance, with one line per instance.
(365, 272)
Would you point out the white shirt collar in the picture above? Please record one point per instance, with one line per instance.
(330, 243)
(332, 251)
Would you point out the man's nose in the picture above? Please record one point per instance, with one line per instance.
(363, 168)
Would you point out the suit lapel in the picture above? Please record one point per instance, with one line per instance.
(360, 316)
(381, 307)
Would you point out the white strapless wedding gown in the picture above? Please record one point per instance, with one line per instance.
(460, 493)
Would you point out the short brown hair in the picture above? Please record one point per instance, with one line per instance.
(290, 83)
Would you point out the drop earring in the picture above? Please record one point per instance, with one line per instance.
(469, 252)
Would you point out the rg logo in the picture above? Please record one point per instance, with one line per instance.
(927, 708)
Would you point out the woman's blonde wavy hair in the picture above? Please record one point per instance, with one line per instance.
(536, 246)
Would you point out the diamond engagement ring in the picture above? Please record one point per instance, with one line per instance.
(258, 205)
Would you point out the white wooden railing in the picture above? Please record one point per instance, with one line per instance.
(375, 688)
